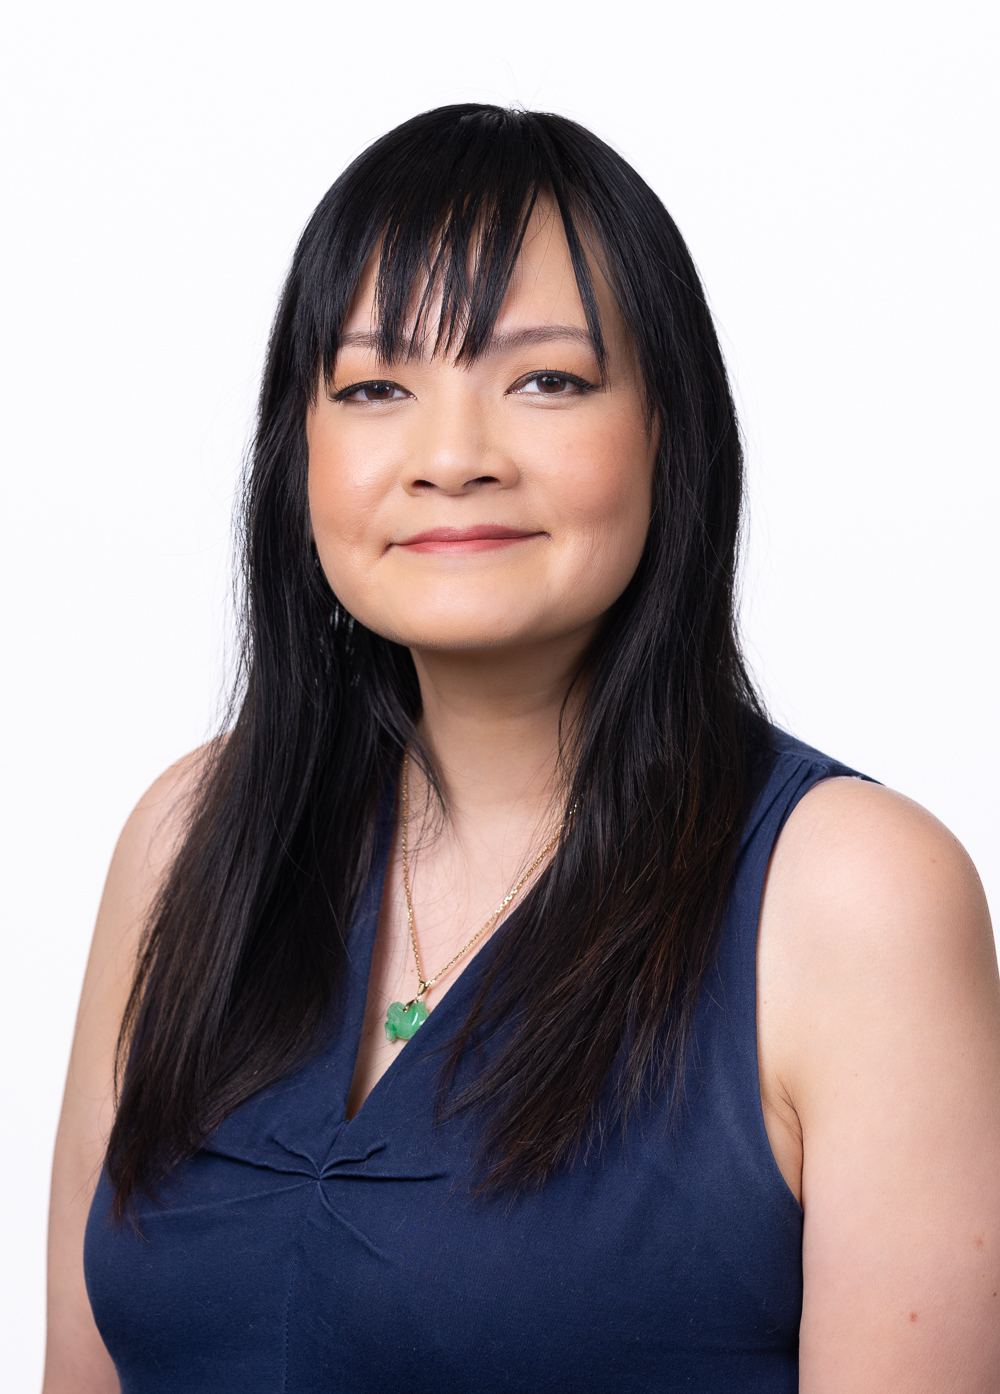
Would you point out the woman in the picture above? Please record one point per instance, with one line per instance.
(503, 1004)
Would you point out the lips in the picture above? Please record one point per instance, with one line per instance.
(483, 537)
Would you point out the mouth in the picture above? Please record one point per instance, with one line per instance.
(483, 537)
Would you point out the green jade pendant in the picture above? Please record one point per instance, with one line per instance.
(403, 1022)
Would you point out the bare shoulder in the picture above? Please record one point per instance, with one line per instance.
(156, 826)
(880, 1039)
(875, 935)
(147, 845)
(142, 857)
(75, 1355)
(863, 874)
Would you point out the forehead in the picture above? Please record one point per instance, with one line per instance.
(542, 290)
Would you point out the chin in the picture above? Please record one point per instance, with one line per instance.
(473, 617)
(458, 636)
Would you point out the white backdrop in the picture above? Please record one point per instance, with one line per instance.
(831, 166)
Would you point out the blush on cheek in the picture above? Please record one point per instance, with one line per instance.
(611, 474)
(614, 503)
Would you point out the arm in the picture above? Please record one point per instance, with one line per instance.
(880, 1028)
(76, 1361)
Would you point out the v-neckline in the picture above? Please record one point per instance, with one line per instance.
(362, 955)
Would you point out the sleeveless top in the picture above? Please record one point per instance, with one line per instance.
(299, 1251)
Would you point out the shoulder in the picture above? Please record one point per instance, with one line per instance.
(860, 872)
(148, 843)
(874, 927)
(156, 826)
(874, 936)
(879, 1042)
(142, 858)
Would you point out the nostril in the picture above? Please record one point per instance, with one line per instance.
(468, 484)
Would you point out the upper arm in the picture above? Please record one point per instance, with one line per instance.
(883, 972)
(75, 1356)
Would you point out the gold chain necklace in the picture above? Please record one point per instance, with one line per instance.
(402, 1020)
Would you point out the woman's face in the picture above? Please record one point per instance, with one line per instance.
(500, 502)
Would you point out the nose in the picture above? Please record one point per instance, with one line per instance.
(453, 449)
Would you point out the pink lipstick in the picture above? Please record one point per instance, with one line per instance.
(483, 537)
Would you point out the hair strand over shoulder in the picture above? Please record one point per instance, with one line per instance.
(596, 977)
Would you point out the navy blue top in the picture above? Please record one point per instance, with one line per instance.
(300, 1251)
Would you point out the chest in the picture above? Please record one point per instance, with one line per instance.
(452, 914)
(310, 1246)
(305, 1253)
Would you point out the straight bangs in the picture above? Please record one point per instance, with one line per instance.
(594, 986)
(444, 213)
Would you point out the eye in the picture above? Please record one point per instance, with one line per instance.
(551, 385)
(377, 391)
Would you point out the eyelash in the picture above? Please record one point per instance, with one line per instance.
(347, 392)
(581, 385)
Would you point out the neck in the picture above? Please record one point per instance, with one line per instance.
(491, 724)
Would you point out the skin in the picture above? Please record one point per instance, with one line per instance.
(879, 999)
(879, 1043)
(497, 632)
(76, 1361)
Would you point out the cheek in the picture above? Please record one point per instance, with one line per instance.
(605, 493)
(346, 489)
(342, 493)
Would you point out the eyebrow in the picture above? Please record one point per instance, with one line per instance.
(499, 343)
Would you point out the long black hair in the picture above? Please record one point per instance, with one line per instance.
(596, 980)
